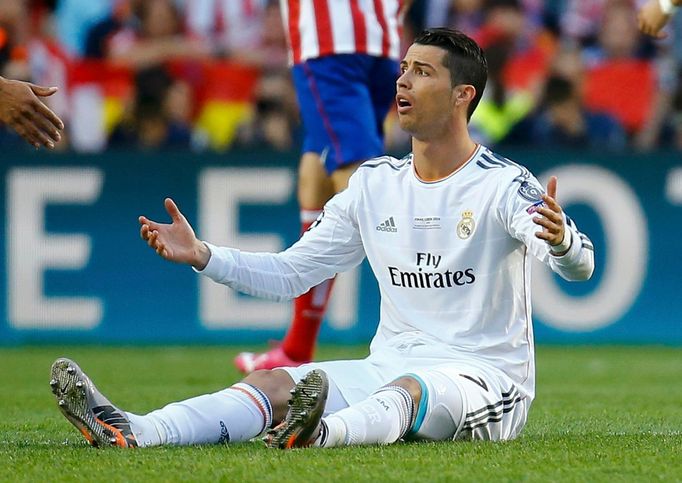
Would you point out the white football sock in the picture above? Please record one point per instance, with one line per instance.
(238, 413)
(382, 418)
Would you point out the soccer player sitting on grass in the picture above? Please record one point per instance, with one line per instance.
(447, 231)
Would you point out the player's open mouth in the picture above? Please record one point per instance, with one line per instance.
(403, 104)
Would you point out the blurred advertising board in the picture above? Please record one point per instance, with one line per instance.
(76, 270)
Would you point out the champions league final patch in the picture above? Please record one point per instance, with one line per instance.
(426, 223)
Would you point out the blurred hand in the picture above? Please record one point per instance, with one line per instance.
(23, 111)
(552, 219)
(175, 241)
(651, 19)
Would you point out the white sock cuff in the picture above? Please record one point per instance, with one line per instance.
(308, 216)
(406, 406)
(259, 398)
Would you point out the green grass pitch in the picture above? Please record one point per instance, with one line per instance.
(601, 414)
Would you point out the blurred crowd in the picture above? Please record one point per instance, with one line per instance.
(213, 74)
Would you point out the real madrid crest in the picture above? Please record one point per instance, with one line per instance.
(467, 225)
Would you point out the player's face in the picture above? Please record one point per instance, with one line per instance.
(425, 94)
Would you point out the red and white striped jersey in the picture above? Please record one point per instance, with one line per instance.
(233, 24)
(316, 28)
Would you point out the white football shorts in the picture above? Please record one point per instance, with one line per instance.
(492, 407)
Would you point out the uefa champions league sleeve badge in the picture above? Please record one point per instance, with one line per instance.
(467, 225)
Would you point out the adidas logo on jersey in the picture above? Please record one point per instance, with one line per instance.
(388, 225)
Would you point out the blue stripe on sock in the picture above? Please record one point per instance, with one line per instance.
(266, 401)
(423, 401)
(261, 400)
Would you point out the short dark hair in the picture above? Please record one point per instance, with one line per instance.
(465, 59)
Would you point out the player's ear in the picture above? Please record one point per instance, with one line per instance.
(464, 93)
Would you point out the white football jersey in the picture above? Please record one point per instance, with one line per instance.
(451, 257)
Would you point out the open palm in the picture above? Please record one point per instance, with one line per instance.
(175, 241)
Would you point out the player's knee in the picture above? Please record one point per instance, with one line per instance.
(438, 408)
(411, 385)
(275, 384)
(315, 187)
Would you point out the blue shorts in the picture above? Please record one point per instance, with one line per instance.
(344, 100)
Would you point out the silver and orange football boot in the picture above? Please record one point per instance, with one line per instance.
(100, 422)
(301, 426)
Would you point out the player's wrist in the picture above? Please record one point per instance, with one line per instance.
(565, 244)
(669, 7)
(202, 256)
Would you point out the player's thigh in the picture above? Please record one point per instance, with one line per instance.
(350, 381)
(337, 109)
(315, 187)
(463, 402)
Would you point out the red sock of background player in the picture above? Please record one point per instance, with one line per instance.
(309, 310)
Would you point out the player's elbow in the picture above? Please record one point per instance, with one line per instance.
(584, 270)
(580, 273)
(587, 266)
(585, 273)
(296, 285)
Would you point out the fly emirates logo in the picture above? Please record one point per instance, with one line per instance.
(428, 275)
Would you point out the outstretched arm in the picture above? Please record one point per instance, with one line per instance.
(333, 245)
(175, 241)
(654, 15)
(23, 111)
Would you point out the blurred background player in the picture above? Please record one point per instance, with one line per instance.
(655, 14)
(23, 111)
(345, 66)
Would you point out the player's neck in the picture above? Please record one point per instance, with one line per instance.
(434, 160)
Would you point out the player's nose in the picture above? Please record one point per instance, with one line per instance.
(403, 81)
